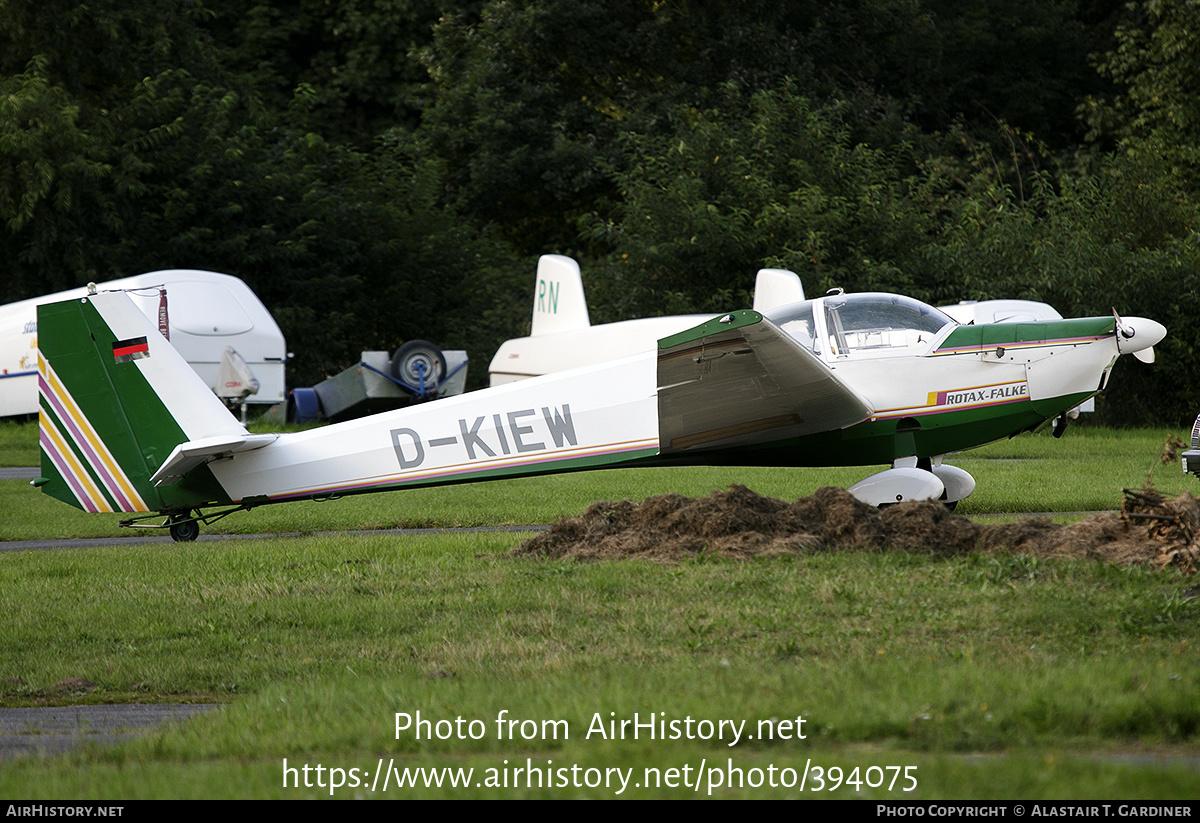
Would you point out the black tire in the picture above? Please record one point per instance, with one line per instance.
(927, 464)
(184, 530)
(417, 362)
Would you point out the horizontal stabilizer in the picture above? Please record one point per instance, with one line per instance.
(188, 456)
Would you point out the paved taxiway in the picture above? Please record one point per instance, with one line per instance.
(54, 729)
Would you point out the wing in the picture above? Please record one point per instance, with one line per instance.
(739, 380)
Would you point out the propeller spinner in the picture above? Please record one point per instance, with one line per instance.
(1137, 336)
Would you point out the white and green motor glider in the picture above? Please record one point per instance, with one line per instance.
(845, 379)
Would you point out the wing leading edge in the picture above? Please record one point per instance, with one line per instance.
(739, 380)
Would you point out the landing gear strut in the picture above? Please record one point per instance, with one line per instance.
(182, 524)
(183, 528)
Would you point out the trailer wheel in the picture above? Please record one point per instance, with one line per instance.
(420, 365)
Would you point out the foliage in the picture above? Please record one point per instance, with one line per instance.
(350, 249)
(532, 102)
(1155, 64)
(763, 179)
(187, 168)
(90, 94)
(990, 62)
(1123, 239)
(384, 169)
(51, 165)
(360, 58)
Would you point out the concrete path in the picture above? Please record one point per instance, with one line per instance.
(55, 729)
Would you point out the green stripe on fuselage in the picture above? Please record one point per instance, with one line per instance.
(989, 335)
(879, 442)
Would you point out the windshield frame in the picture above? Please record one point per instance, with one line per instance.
(839, 335)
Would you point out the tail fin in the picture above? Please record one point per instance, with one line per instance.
(115, 399)
(558, 301)
(776, 287)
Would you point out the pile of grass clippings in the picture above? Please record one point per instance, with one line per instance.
(741, 524)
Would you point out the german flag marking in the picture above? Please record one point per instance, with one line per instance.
(134, 348)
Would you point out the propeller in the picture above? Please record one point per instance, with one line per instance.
(1137, 336)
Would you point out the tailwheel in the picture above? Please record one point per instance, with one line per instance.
(184, 528)
(183, 524)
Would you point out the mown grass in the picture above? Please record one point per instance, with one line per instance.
(1003, 677)
(18, 443)
(316, 642)
(1083, 471)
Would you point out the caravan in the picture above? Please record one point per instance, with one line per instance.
(207, 312)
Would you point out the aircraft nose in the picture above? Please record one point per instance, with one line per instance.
(1137, 336)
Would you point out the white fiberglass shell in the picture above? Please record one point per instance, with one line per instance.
(207, 311)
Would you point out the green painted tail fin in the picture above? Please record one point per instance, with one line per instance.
(115, 399)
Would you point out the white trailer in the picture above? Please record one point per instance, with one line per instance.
(207, 312)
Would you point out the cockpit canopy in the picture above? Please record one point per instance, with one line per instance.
(862, 325)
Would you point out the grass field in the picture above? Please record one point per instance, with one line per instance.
(1083, 471)
(970, 677)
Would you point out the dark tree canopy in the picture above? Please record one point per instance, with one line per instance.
(384, 169)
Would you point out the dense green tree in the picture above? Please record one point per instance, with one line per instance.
(361, 58)
(91, 95)
(99, 50)
(772, 179)
(1156, 66)
(531, 100)
(170, 159)
(51, 174)
(1121, 239)
(768, 178)
(1024, 63)
(385, 169)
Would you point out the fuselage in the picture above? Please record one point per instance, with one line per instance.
(931, 386)
(841, 380)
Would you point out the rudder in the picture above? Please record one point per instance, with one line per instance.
(558, 300)
(114, 399)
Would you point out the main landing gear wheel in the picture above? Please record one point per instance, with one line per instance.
(926, 464)
(923, 479)
(183, 528)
